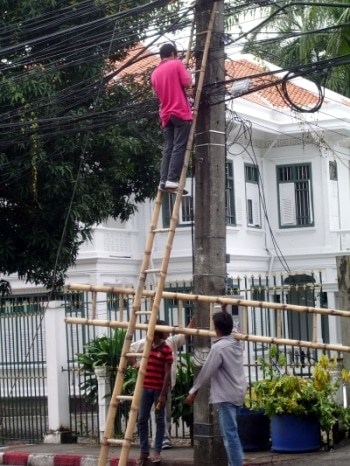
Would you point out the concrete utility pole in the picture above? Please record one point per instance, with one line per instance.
(343, 272)
(210, 224)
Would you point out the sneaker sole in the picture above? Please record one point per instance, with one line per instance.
(173, 190)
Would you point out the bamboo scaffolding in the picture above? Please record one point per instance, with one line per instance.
(210, 333)
(214, 299)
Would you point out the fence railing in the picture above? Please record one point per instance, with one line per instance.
(23, 384)
(288, 311)
(23, 404)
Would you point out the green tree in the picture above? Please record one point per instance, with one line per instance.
(300, 33)
(76, 145)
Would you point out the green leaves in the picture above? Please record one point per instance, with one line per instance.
(304, 34)
(73, 150)
(282, 393)
(102, 351)
(184, 382)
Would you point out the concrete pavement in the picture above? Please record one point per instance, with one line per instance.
(87, 455)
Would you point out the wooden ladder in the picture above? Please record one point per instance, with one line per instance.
(116, 396)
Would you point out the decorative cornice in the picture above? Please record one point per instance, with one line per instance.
(282, 142)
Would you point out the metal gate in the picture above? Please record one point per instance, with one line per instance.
(23, 402)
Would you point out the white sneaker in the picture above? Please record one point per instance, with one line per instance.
(166, 445)
(173, 189)
(171, 185)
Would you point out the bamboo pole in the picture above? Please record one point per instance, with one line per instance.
(245, 320)
(94, 301)
(279, 323)
(314, 327)
(209, 333)
(180, 314)
(121, 306)
(214, 299)
(211, 313)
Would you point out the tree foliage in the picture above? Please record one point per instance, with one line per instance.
(76, 147)
(299, 33)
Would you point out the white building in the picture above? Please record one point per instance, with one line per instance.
(288, 191)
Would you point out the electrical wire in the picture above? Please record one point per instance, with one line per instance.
(245, 130)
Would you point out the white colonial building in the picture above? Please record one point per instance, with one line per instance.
(288, 195)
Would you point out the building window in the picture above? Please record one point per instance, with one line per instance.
(252, 195)
(333, 173)
(294, 195)
(230, 195)
(334, 196)
(186, 213)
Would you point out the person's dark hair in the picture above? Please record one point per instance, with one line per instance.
(166, 50)
(160, 322)
(223, 322)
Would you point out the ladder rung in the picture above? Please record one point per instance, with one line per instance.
(134, 355)
(143, 313)
(117, 442)
(161, 230)
(125, 397)
(152, 270)
(200, 33)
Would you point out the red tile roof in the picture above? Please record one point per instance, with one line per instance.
(144, 62)
(140, 62)
(268, 96)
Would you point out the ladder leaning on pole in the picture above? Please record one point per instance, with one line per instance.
(116, 396)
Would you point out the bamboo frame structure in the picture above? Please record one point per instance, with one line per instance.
(209, 333)
(222, 300)
(213, 299)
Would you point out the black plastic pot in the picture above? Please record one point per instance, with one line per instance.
(253, 429)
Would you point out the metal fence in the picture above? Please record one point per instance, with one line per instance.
(23, 402)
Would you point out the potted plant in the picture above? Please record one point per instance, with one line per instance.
(299, 408)
(253, 426)
(101, 355)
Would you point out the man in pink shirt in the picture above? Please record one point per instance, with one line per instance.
(173, 85)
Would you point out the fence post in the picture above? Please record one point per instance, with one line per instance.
(57, 380)
(104, 388)
(343, 274)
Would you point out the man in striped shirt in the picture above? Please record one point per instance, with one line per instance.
(155, 391)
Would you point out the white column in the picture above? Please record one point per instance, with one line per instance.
(57, 379)
(104, 388)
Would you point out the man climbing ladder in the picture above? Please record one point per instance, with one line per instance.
(173, 85)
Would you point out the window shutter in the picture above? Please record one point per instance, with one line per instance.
(252, 191)
(239, 202)
(187, 204)
(334, 204)
(287, 204)
(310, 203)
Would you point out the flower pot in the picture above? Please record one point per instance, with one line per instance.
(291, 434)
(253, 429)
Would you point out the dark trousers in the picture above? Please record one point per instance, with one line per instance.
(148, 399)
(175, 141)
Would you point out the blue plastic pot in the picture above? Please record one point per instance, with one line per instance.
(291, 434)
(253, 429)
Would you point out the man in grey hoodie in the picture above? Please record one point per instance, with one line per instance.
(224, 370)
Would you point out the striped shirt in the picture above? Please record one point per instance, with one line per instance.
(155, 372)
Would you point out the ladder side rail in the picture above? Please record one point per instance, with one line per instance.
(197, 100)
(123, 362)
(128, 437)
(165, 262)
(177, 204)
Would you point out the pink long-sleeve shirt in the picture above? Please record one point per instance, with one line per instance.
(169, 81)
